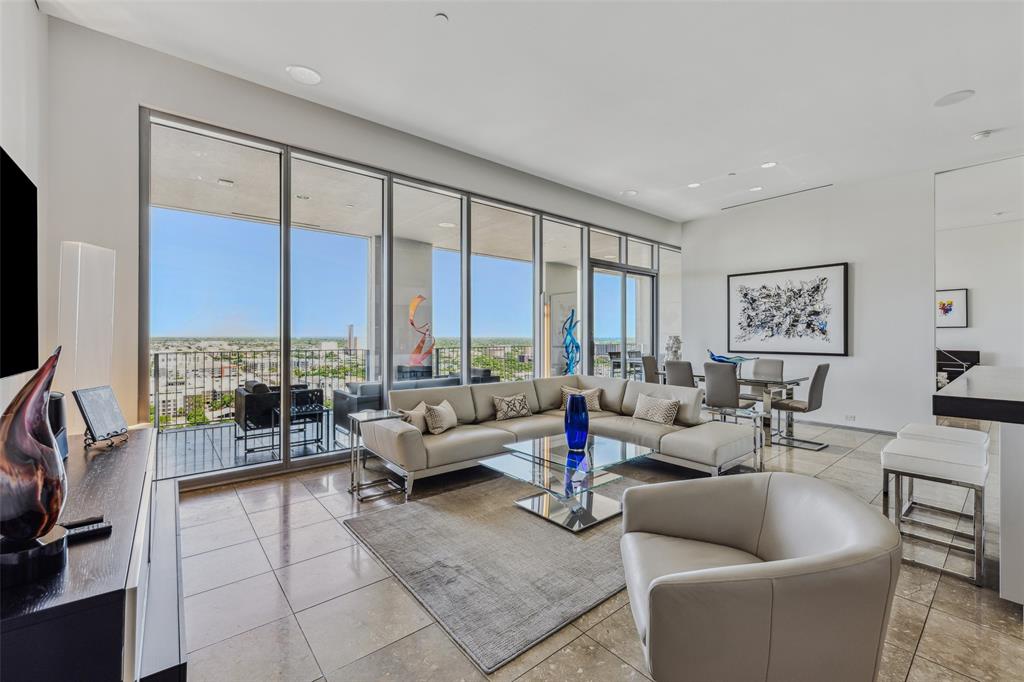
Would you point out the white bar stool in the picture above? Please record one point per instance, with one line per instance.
(939, 434)
(958, 463)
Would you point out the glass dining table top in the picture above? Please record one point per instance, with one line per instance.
(755, 381)
(548, 463)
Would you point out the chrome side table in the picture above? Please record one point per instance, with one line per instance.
(356, 482)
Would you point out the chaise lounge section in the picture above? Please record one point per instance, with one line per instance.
(710, 447)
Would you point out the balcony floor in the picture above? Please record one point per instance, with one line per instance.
(201, 449)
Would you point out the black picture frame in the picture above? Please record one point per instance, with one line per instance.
(967, 309)
(844, 352)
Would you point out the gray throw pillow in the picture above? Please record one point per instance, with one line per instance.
(511, 407)
(593, 396)
(417, 416)
(657, 410)
(441, 417)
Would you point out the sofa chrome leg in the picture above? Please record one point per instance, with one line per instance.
(410, 478)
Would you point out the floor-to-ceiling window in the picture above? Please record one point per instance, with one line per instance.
(426, 280)
(214, 292)
(381, 282)
(501, 294)
(562, 328)
(337, 219)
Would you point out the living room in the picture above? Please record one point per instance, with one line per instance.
(377, 338)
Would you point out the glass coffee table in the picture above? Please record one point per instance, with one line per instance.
(566, 478)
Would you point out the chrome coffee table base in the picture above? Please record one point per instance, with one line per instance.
(575, 513)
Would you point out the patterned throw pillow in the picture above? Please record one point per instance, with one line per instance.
(657, 410)
(510, 407)
(441, 417)
(417, 416)
(593, 396)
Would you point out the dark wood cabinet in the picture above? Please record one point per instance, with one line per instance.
(114, 612)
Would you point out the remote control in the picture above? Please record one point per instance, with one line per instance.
(88, 521)
(92, 530)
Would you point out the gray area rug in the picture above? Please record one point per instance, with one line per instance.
(496, 577)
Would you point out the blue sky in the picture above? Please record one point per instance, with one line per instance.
(213, 276)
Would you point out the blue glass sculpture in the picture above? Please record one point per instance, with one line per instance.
(731, 359)
(570, 345)
(577, 422)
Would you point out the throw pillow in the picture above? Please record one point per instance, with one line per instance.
(441, 417)
(510, 407)
(593, 396)
(417, 416)
(657, 410)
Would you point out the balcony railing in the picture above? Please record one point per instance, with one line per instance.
(507, 362)
(197, 388)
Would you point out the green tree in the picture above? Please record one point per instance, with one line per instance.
(196, 416)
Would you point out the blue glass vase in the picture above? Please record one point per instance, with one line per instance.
(577, 422)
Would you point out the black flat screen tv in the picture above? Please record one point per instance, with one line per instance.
(19, 265)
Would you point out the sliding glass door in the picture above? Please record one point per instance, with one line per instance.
(608, 299)
(335, 243)
(214, 292)
(622, 327)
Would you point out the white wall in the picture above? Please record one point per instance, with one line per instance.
(885, 230)
(988, 260)
(97, 84)
(23, 58)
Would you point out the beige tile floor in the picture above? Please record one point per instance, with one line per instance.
(278, 589)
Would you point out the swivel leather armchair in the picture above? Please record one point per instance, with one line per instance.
(765, 576)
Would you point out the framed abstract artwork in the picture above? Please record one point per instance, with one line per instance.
(796, 311)
(951, 308)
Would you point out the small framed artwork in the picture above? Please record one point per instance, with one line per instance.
(796, 311)
(951, 308)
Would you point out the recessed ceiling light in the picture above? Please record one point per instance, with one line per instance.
(350, 205)
(953, 98)
(304, 197)
(629, 192)
(998, 213)
(981, 135)
(756, 189)
(441, 18)
(769, 164)
(225, 182)
(303, 74)
(694, 185)
(732, 174)
(446, 224)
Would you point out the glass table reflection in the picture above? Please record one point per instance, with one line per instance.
(567, 478)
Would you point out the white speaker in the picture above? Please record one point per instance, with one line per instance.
(85, 321)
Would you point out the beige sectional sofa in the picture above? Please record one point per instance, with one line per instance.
(709, 446)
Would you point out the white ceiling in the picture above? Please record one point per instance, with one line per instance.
(610, 96)
(980, 195)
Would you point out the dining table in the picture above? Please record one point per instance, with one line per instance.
(771, 389)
